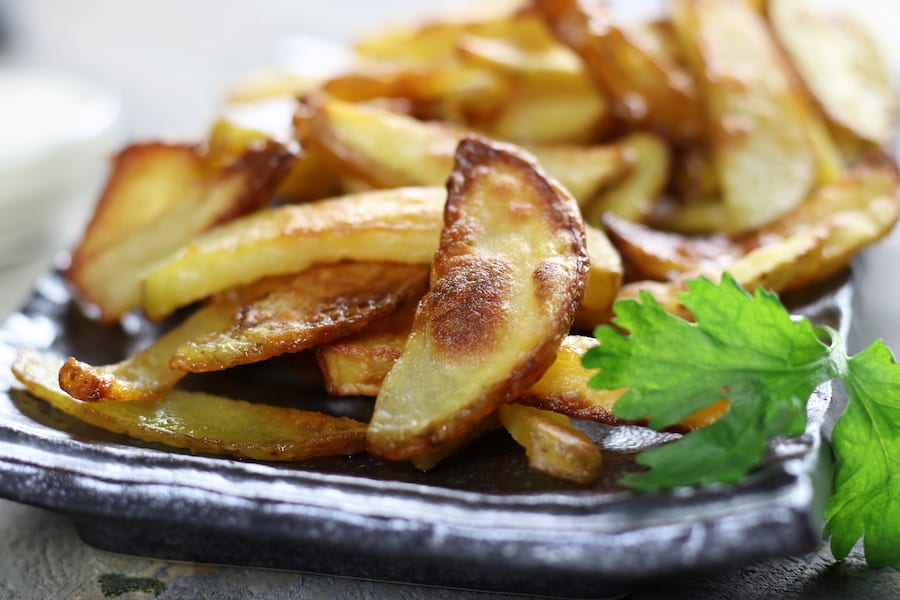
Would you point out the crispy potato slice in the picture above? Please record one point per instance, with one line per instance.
(357, 364)
(387, 149)
(553, 445)
(836, 221)
(841, 65)
(146, 374)
(241, 126)
(563, 387)
(604, 280)
(647, 86)
(201, 422)
(855, 212)
(772, 266)
(397, 225)
(429, 459)
(757, 118)
(446, 91)
(506, 281)
(157, 198)
(654, 254)
(320, 304)
(634, 196)
(534, 113)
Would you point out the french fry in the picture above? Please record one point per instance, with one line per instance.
(506, 281)
(662, 255)
(847, 215)
(387, 149)
(552, 444)
(158, 197)
(319, 304)
(843, 69)
(648, 87)
(201, 422)
(146, 374)
(397, 225)
(757, 119)
(358, 364)
(604, 280)
(634, 196)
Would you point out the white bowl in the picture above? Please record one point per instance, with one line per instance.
(58, 132)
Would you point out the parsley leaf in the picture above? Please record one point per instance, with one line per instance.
(866, 442)
(747, 349)
(743, 348)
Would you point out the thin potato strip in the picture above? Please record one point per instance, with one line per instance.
(506, 280)
(552, 444)
(397, 225)
(146, 374)
(201, 422)
(318, 305)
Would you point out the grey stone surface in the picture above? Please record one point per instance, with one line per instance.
(42, 557)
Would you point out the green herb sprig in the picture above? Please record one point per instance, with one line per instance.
(749, 350)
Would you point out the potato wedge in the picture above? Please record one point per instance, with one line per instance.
(322, 303)
(604, 280)
(157, 198)
(387, 149)
(633, 196)
(855, 212)
(201, 422)
(397, 225)
(358, 364)
(653, 254)
(648, 87)
(240, 126)
(553, 446)
(757, 117)
(841, 65)
(506, 281)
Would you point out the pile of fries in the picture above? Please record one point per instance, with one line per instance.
(440, 221)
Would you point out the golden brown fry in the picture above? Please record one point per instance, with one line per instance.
(397, 225)
(563, 387)
(841, 65)
(604, 280)
(320, 304)
(634, 196)
(854, 212)
(357, 365)
(506, 281)
(244, 126)
(146, 374)
(553, 445)
(201, 422)
(648, 87)
(387, 149)
(158, 197)
(757, 118)
(660, 255)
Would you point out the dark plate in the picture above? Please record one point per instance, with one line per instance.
(482, 520)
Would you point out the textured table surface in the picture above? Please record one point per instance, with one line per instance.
(174, 91)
